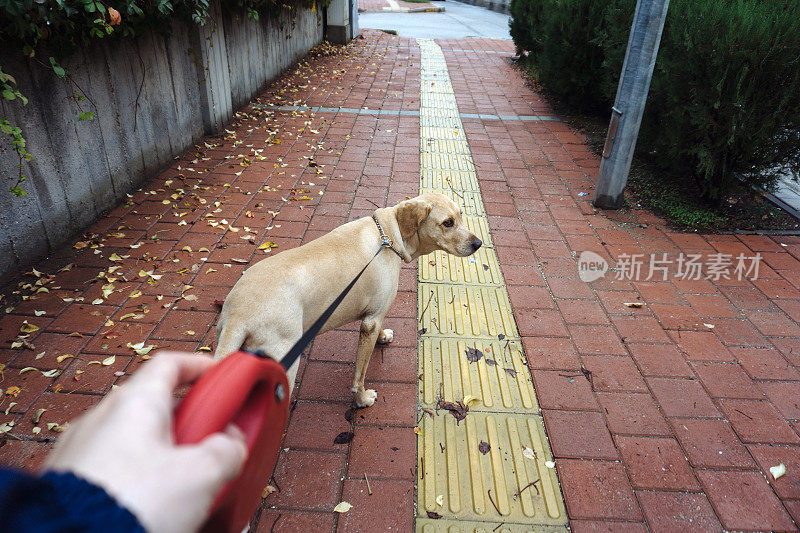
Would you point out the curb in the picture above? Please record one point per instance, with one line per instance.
(406, 10)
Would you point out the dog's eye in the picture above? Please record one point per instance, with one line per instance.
(448, 223)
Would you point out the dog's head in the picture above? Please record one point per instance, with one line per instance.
(435, 221)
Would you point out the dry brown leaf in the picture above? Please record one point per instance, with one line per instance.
(28, 328)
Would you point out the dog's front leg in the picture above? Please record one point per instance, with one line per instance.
(370, 328)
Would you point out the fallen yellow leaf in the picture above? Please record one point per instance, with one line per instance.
(342, 507)
(469, 399)
(140, 348)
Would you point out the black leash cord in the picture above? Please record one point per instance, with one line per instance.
(289, 359)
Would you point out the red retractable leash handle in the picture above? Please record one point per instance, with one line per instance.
(253, 393)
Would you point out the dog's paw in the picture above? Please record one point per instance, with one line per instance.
(386, 336)
(367, 398)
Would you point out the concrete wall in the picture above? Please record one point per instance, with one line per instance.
(186, 85)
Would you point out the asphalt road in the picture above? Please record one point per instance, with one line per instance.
(457, 22)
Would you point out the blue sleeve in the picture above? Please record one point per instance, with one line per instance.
(59, 502)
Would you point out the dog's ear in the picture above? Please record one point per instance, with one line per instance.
(410, 215)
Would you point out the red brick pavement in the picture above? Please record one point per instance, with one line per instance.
(676, 429)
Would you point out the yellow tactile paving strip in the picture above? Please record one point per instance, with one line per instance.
(476, 474)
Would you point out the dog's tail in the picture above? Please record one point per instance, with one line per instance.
(229, 339)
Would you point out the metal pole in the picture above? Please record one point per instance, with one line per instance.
(626, 115)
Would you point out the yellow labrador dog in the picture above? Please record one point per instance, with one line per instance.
(279, 297)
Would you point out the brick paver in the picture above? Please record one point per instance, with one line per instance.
(684, 404)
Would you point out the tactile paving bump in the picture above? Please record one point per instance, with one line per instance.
(435, 100)
(435, 85)
(479, 268)
(427, 119)
(440, 161)
(444, 112)
(490, 486)
(493, 371)
(467, 310)
(448, 179)
(444, 146)
(427, 525)
(441, 133)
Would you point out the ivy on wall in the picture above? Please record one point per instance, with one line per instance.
(47, 31)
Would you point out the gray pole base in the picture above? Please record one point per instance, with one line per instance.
(339, 34)
(606, 201)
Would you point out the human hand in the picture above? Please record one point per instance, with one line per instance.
(125, 445)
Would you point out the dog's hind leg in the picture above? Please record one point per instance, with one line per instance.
(230, 338)
(370, 328)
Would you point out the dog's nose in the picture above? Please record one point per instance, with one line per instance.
(476, 243)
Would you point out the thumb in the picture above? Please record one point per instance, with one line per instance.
(223, 454)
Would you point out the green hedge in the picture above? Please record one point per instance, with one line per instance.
(724, 103)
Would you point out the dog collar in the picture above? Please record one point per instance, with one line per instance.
(386, 241)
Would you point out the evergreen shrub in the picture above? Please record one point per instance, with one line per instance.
(724, 102)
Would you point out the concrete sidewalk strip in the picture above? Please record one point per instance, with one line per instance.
(403, 112)
(662, 398)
